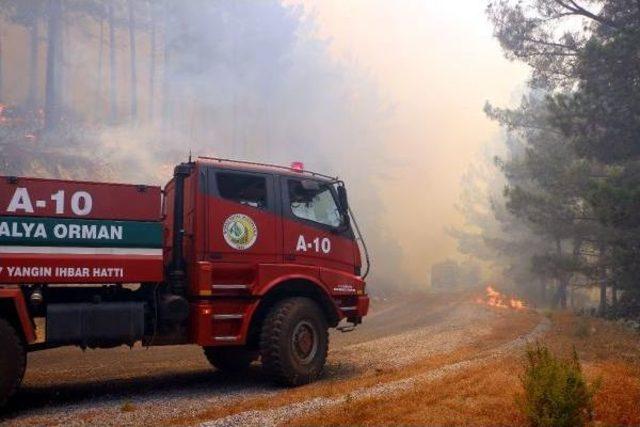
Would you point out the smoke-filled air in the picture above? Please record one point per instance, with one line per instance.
(212, 193)
(383, 95)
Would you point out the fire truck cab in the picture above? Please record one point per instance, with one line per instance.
(249, 261)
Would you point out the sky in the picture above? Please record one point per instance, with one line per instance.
(437, 63)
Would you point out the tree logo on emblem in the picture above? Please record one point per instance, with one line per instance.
(240, 232)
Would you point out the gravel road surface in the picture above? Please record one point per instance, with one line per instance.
(154, 386)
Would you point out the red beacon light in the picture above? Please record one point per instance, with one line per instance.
(297, 166)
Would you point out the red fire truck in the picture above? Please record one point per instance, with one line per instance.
(250, 261)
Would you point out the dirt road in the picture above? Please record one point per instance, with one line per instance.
(175, 385)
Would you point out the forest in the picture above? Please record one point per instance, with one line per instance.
(86, 66)
(50, 108)
(122, 90)
(559, 210)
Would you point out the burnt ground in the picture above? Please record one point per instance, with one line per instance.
(165, 384)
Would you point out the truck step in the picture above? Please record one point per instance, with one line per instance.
(226, 338)
(346, 328)
(228, 316)
(231, 287)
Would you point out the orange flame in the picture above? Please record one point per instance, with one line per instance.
(496, 299)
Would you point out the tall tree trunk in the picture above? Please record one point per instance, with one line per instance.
(60, 68)
(52, 104)
(34, 42)
(562, 292)
(132, 48)
(152, 65)
(602, 307)
(572, 295)
(1, 77)
(98, 105)
(555, 297)
(543, 291)
(577, 243)
(602, 279)
(113, 107)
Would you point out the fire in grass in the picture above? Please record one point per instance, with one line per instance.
(494, 298)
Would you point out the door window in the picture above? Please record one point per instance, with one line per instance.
(247, 190)
(315, 203)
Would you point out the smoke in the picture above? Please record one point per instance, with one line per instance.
(385, 96)
(244, 80)
(251, 80)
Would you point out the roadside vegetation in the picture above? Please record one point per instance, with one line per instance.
(553, 208)
(555, 391)
(491, 393)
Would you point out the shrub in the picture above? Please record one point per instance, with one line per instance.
(555, 391)
(582, 328)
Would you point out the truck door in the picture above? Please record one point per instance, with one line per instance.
(314, 230)
(240, 218)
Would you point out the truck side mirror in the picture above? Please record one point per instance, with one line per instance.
(343, 199)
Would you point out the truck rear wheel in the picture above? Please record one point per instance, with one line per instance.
(294, 342)
(230, 359)
(13, 361)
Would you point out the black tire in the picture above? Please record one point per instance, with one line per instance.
(294, 341)
(230, 359)
(13, 361)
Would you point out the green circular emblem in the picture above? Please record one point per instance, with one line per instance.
(240, 232)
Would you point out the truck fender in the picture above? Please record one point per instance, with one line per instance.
(294, 285)
(15, 296)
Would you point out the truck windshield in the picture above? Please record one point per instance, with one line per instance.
(317, 205)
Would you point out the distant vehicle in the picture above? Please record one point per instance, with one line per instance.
(246, 260)
(450, 275)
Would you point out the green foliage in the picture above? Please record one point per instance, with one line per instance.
(616, 200)
(555, 391)
(575, 177)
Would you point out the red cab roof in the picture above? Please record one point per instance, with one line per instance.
(260, 167)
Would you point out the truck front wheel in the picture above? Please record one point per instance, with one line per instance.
(13, 361)
(230, 359)
(294, 342)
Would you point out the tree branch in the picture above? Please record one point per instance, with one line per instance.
(579, 10)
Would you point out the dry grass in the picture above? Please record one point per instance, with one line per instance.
(484, 395)
(610, 354)
(506, 326)
(326, 388)
(618, 401)
(480, 395)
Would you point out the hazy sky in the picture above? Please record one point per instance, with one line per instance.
(437, 63)
(434, 64)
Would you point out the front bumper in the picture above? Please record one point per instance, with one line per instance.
(360, 310)
(363, 305)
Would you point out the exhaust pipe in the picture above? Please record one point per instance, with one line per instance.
(177, 268)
